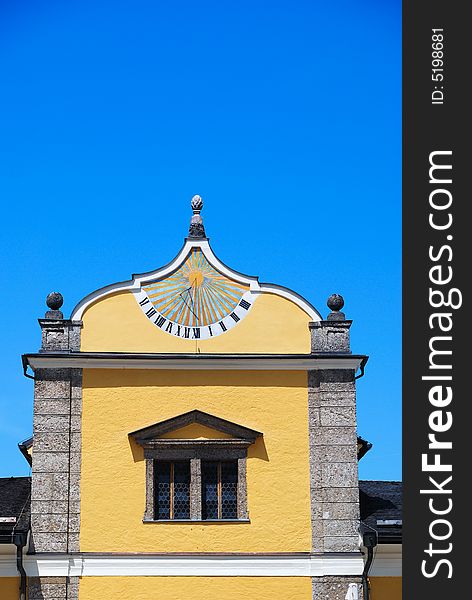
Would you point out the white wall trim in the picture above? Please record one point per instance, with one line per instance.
(387, 561)
(194, 363)
(60, 565)
(138, 280)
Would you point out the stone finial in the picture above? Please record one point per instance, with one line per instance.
(332, 335)
(196, 230)
(335, 303)
(197, 203)
(54, 302)
(58, 334)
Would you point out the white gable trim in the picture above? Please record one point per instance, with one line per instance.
(138, 281)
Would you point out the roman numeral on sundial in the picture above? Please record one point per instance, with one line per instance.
(160, 321)
(199, 331)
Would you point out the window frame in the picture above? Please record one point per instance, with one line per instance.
(195, 454)
(172, 465)
(219, 484)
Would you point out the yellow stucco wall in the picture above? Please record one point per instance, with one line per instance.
(385, 588)
(195, 588)
(9, 588)
(117, 324)
(116, 402)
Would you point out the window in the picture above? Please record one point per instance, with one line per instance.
(215, 499)
(172, 490)
(196, 478)
(219, 490)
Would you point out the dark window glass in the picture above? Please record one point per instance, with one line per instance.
(219, 490)
(172, 490)
(229, 489)
(209, 490)
(181, 502)
(163, 490)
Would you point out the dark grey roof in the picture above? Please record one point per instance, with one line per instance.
(363, 446)
(14, 502)
(25, 448)
(382, 501)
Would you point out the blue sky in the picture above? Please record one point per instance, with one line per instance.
(284, 116)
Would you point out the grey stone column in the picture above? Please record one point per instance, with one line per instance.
(334, 487)
(196, 489)
(333, 466)
(335, 588)
(53, 588)
(55, 493)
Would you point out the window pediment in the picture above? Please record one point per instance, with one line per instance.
(158, 435)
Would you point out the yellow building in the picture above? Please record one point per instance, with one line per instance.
(195, 437)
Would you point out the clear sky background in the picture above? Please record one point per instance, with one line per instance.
(284, 116)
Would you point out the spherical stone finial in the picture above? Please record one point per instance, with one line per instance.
(197, 204)
(335, 302)
(54, 300)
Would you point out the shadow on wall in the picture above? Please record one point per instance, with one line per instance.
(256, 450)
(102, 378)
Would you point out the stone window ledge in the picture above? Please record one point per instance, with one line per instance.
(198, 521)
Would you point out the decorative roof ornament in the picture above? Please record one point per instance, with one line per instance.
(196, 230)
(335, 303)
(54, 301)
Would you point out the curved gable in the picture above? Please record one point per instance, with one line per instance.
(195, 303)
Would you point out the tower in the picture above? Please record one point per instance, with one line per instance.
(195, 436)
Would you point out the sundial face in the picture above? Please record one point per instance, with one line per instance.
(195, 301)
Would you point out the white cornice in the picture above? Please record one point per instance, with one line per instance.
(284, 565)
(197, 362)
(387, 561)
(138, 280)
